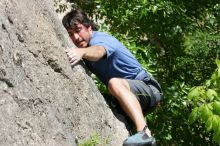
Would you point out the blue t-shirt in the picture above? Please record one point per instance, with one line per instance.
(118, 62)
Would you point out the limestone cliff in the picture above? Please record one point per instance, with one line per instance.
(43, 101)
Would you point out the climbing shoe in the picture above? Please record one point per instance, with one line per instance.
(140, 139)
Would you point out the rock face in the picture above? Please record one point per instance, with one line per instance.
(43, 101)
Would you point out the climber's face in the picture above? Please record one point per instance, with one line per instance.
(80, 35)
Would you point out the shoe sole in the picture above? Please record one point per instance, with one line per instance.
(148, 144)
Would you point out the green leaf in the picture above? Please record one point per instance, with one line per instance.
(216, 107)
(218, 62)
(208, 124)
(205, 112)
(218, 72)
(210, 106)
(210, 93)
(154, 9)
(214, 77)
(194, 115)
(216, 136)
(208, 83)
(197, 94)
(215, 122)
(193, 93)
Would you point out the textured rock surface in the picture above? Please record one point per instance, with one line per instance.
(43, 101)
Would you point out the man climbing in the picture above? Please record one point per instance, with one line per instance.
(116, 67)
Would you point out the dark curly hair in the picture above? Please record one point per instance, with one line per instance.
(74, 16)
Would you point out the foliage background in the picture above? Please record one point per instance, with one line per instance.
(177, 42)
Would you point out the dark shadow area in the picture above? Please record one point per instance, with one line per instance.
(119, 113)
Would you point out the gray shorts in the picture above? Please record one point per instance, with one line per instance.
(148, 95)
